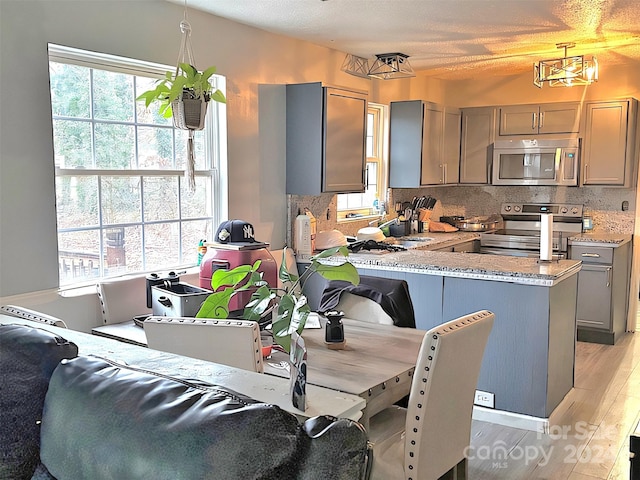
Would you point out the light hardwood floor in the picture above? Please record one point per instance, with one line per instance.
(589, 437)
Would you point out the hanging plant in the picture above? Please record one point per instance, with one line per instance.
(185, 85)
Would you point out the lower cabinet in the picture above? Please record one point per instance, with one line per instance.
(529, 359)
(603, 283)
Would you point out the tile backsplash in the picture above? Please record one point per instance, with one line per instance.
(603, 204)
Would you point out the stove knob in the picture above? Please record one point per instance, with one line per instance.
(507, 208)
(563, 210)
(517, 208)
(574, 210)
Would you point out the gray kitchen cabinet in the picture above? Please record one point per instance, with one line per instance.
(424, 144)
(529, 359)
(326, 134)
(477, 137)
(603, 283)
(563, 118)
(607, 143)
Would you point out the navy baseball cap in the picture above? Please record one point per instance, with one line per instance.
(235, 231)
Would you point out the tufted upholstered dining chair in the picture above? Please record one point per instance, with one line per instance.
(28, 314)
(363, 309)
(427, 440)
(375, 300)
(121, 299)
(231, 342)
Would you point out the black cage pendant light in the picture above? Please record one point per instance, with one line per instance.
(388, 66)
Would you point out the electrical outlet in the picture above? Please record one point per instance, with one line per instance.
(485, 399)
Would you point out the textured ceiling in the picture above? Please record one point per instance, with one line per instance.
(451, 38)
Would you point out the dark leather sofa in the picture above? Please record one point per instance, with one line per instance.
(65, 416)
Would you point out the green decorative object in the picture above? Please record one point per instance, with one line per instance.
(289, 309)
(186, 83)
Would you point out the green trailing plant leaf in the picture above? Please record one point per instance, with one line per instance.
(188, 81)
(345, 271)
(233, 277)
(292, 308)
(216, 305)
(259, 303)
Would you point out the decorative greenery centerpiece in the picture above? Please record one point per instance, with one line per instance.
(288, 306)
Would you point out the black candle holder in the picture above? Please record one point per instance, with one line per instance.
(334, 330)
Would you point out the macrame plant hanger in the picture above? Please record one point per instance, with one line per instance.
(186, 56)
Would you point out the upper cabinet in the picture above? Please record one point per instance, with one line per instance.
(424, 144)
(608, 142)
(563, 118)
(326, 134)
(478, 135)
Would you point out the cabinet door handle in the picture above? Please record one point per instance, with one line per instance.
(444, 173)
(541, 125)
(591, 255)
(609, 276)
(534, 121)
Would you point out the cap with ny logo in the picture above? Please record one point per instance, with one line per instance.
(235, 231)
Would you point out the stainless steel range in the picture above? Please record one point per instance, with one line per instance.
(520, 235)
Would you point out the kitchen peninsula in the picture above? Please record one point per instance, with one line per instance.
(529, 360)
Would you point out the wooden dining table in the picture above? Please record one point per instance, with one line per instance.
(376, 363)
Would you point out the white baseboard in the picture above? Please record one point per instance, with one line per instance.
(510, 419)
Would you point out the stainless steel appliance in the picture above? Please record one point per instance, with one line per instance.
(177, 299)
(520, 235)
(536, 162)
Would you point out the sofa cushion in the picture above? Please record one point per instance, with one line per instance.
(103, 420)
(28, 356)
(335, 448)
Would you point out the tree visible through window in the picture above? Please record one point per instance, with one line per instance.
(369, 202)
(123, 203)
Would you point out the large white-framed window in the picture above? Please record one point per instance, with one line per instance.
(369, 203)
(123, 202)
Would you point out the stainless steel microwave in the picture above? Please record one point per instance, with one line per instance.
(536, 162)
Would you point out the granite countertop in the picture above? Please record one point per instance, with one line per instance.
(442, 240)
(604, 239)
(520, 270)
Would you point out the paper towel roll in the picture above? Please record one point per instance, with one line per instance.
(546, 236)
